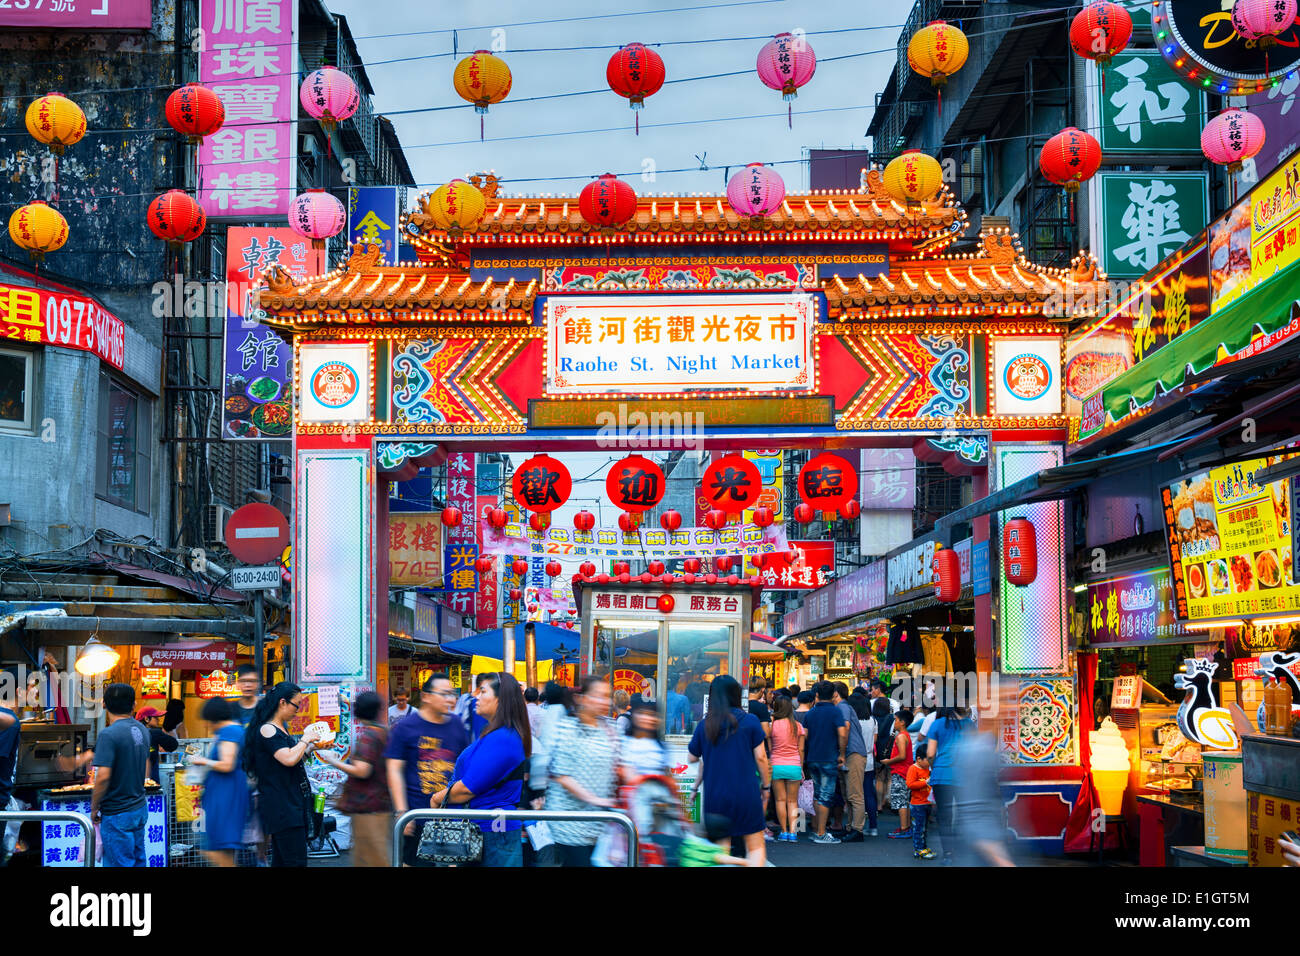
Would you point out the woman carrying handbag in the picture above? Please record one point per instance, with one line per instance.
(489, 775)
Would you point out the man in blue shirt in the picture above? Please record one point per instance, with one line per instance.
(828, 735)
(679, 708)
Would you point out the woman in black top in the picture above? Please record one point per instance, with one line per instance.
(271, 756)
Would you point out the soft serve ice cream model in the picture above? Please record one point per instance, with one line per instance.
(1110, 766)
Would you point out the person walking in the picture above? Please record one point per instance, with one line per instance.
(276, 761)
(918, 786)
(401, 707)
(788, 741)
(736, 772)
(489, 774)
(583, 770)
(855, 766)
(159, 740)
(944, 736)
(422, 751)
(365, 798)
(555, 710)
(249, 692)
(899, 759)
(804, 701)
(828, 735)
(535, 711)
(227, 800)
(117, 801)
(642, 752)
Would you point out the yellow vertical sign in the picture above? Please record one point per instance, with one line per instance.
(768, 461)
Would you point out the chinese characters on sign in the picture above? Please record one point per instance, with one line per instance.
(731, 484)
(827, 481)
(675, 343)
(888, 479)
(1147, 108)
(635, 483)
(542, 484)
(78, 14)
(414, 550)
(460, 576)
(249, 58)
(1139, 607)
(62, 319)
(1145, 217)
(63, 843)
(811, 569)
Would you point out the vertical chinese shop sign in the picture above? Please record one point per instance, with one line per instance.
(485, 607)
(415, 550)
(461, 579)
(249, 57)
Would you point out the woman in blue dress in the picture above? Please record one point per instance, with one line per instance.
(226, 799)
(736, 770)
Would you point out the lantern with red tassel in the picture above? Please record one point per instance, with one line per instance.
(716, 518)
(851, 509)
(607, 202)
(516, 594)
(1099, 31)
(498, 517)
(691, 565)
(670, 521)
(804, 512)
(587, 568)
(763, 516)
(451, 517)
(584, 520)
(484, 564)
(176, 217)
(553, 569)
(628, 522)
(519, 566)
(539, 521)
(1020, 551)
(622, 567)
(195, 111)
(722, 563)
(656, 568)
(947, 575)
(635, 72)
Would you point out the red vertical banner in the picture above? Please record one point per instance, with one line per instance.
(460, 494)
(488, 599)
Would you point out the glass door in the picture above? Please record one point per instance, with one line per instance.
(694, 653)
(625, 652)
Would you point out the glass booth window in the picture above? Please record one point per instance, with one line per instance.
(626, 653)
(697, 653)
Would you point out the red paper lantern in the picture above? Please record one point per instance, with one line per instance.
(804, 513)
(1100, 30)
(670, 520)
(722, 563)
(691, 565)
(731, 484)
(1069, 158)
(851, 509)
(484, 564)
(176, 217)
(516, 594)
(1020, 551)
(628, 522)
(532, 609)
(519, 566)
(635, 72)
(542, 484)
(195, 111)
(621, 567)
(947, 575)
(451, 517)
(584, 520)
(716, 518)
(666, 603)
(539, 522)
(656, 568)
(602, 578)
(553, 568)
(587, 569)
(763, 516)
(827, 481)
(607, 202)
(635, 484)
(498, 517)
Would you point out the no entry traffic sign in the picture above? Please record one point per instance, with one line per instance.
(257, 533)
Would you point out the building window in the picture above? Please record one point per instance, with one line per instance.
(17, 378)
(125, 440)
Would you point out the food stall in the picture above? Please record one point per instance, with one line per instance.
(666, 640)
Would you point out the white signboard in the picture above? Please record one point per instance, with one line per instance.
(260, 578)
(678, 343)
(1027, 376)
(333, 383)
(910, 570)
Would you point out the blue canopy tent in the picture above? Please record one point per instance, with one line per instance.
(553, 643)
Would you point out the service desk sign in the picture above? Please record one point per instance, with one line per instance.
(1230, 543)
(678, 343)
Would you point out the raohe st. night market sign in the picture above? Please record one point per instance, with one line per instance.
(69, 321)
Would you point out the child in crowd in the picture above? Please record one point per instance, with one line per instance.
(918, 784)
(643, 752)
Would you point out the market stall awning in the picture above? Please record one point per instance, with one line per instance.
(1264, 310)
(552, 642)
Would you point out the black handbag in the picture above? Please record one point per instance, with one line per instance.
(456, 841)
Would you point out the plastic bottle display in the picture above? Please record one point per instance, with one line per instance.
(1270, 706)
(1284, 708)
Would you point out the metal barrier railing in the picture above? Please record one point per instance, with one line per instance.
(575, 816)
(70, 816)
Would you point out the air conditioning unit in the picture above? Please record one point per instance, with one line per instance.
(214, 523)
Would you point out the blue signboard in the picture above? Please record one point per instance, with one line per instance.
(459, 573)
(372, 217)
(981, 578)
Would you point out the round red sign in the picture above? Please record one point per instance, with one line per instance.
(827, 481)
(257, 533)
(635, 484)
(542, 484)
(732, 484)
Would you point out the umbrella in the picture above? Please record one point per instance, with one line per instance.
(553, 643)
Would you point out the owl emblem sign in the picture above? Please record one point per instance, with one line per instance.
(335, 384)
(1028, 377)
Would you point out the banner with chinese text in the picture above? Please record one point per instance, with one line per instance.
(69, 321)
(460, 576)
(1144, 217)
(1137, 607)
(415, 550)
(249, 58)
(518, 539)
(372, 218)
(813, 565)
(257, 398)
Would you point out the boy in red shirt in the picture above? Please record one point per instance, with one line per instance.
(918, 784)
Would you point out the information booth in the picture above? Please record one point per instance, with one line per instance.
(668, 651)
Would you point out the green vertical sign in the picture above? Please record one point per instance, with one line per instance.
(1146, 108)
(1145, 217)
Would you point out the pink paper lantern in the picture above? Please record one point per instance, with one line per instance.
(756, 190)
(330, 96)
(1232, 137)
(1263, 20)
(786, 63)
(316, 215)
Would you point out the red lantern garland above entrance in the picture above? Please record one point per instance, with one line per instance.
(731, 484)
(635, 484)
(541, 484)
(827, 482)
(1020, 551)
(607, 202)
(635, 72)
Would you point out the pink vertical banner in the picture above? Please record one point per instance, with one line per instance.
(249, 57)
(460, 494)
(485, 605)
